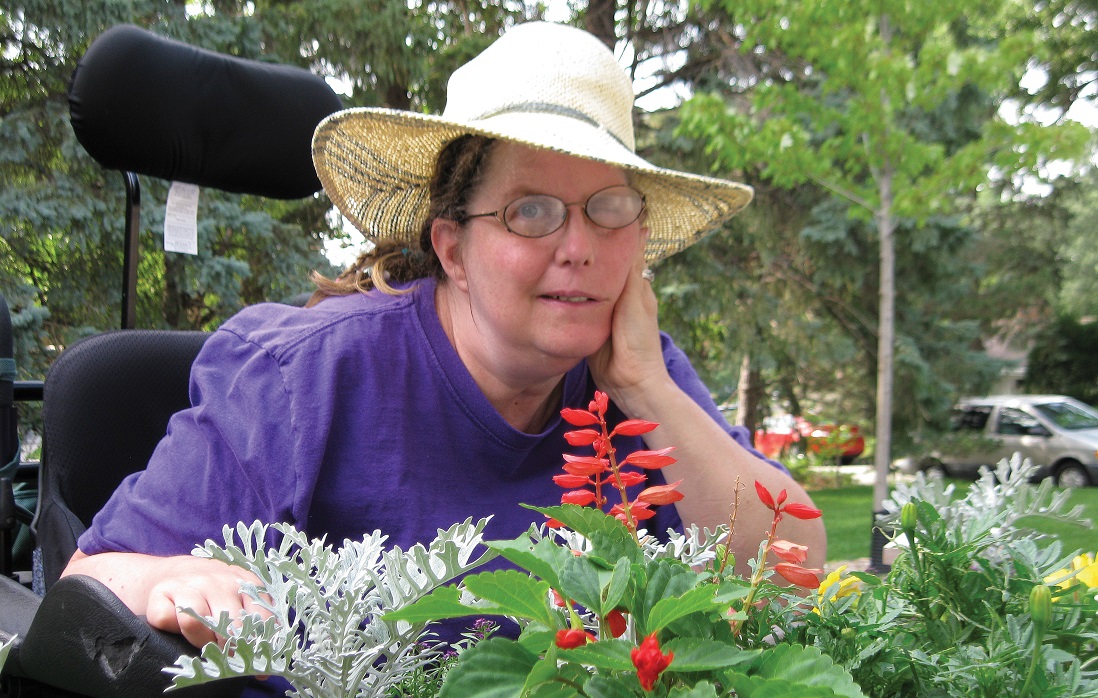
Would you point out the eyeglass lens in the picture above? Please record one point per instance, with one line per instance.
(539, 215)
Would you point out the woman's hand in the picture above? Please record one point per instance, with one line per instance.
(159, 587)
(631, 360)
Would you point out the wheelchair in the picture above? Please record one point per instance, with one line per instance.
(140, 104)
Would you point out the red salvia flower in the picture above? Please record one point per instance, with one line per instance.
(571, 638)
(635, 427)
(578, 418)
(650, 460)
(802, 511)
(632, 477)
(794, 509)
(802, 577)
(570, 481)
(764, 495)
(615, 621)
(789, 552)
(650, 661)
(582, 437)
(580, 497)
(661, 494)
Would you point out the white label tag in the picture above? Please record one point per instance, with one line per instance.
(181, 219)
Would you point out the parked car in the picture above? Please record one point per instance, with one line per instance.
(1058, 433)
(780, 435)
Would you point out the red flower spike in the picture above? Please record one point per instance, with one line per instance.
(802, 511)
(558, 600)
(790, 552)
(632, 477)
(582, 437)
(802, 577)
(650, 661)
(764, 495)
(782, 496)
(602, 402)
(578, 418)
(572, 638)
(570, 481)
(635, 427)
(615, 621)
(661, 494)
(580, 497)
(650, 460)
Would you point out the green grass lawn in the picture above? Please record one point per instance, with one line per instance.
(848, 520)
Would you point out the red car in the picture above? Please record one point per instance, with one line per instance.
(782, 434)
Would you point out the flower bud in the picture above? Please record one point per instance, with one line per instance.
(1040, 606)
(909, 516)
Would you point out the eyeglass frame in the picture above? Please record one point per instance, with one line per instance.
(499, 214)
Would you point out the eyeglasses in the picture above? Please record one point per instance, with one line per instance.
(538, 215)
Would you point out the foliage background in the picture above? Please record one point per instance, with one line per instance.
(778, 310)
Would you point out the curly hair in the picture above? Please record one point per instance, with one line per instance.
(458, 171)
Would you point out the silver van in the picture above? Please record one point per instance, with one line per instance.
(1056, 432)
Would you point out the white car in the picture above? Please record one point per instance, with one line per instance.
(1056, 432)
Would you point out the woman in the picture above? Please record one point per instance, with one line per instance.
(509, 281)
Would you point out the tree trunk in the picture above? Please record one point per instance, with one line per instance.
(600, 20)
(886, 329)
(748, 393)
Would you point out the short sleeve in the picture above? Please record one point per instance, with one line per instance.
(225, 459)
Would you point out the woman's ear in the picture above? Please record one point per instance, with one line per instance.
(446, 237)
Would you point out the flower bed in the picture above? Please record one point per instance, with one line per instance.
(974, 605)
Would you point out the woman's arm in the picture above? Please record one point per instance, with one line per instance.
(711, 464)
(160, 587)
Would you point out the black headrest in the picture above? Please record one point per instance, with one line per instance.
(154, 106)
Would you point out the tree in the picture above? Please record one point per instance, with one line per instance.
(852, 122)
(1064, 359)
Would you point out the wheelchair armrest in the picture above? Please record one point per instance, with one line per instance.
(85, 640)
(18, 605)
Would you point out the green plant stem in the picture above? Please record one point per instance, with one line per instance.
(760, 568)
(1038, 638)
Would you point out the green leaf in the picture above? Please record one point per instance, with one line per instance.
(618, 586)
(444, 602)
(666, 578)
(609, 655)
(608, 687)
(793, 670)
(514, 593)
(579, 581)
(610, 539)
(703, 689)
(495, 668)
(667, 610)
(693, 654)
(543, 559)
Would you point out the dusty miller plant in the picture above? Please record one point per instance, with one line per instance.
(325, 634)
(996, 502)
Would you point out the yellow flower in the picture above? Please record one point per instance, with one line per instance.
(1084, 569)
(834, 586)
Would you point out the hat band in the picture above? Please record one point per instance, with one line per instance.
(550, 108)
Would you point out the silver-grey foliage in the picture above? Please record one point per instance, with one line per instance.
(324, 633)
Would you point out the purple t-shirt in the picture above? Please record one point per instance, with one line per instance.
(344, 418)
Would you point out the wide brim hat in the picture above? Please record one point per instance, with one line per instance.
(542, 85)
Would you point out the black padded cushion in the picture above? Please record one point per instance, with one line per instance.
(142, 103)
(107, 402)
(85, 640)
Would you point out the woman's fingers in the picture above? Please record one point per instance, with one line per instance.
(207, 587)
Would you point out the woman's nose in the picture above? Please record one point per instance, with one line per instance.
(577, 237)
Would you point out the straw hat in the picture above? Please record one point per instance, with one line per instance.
(541, 84)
